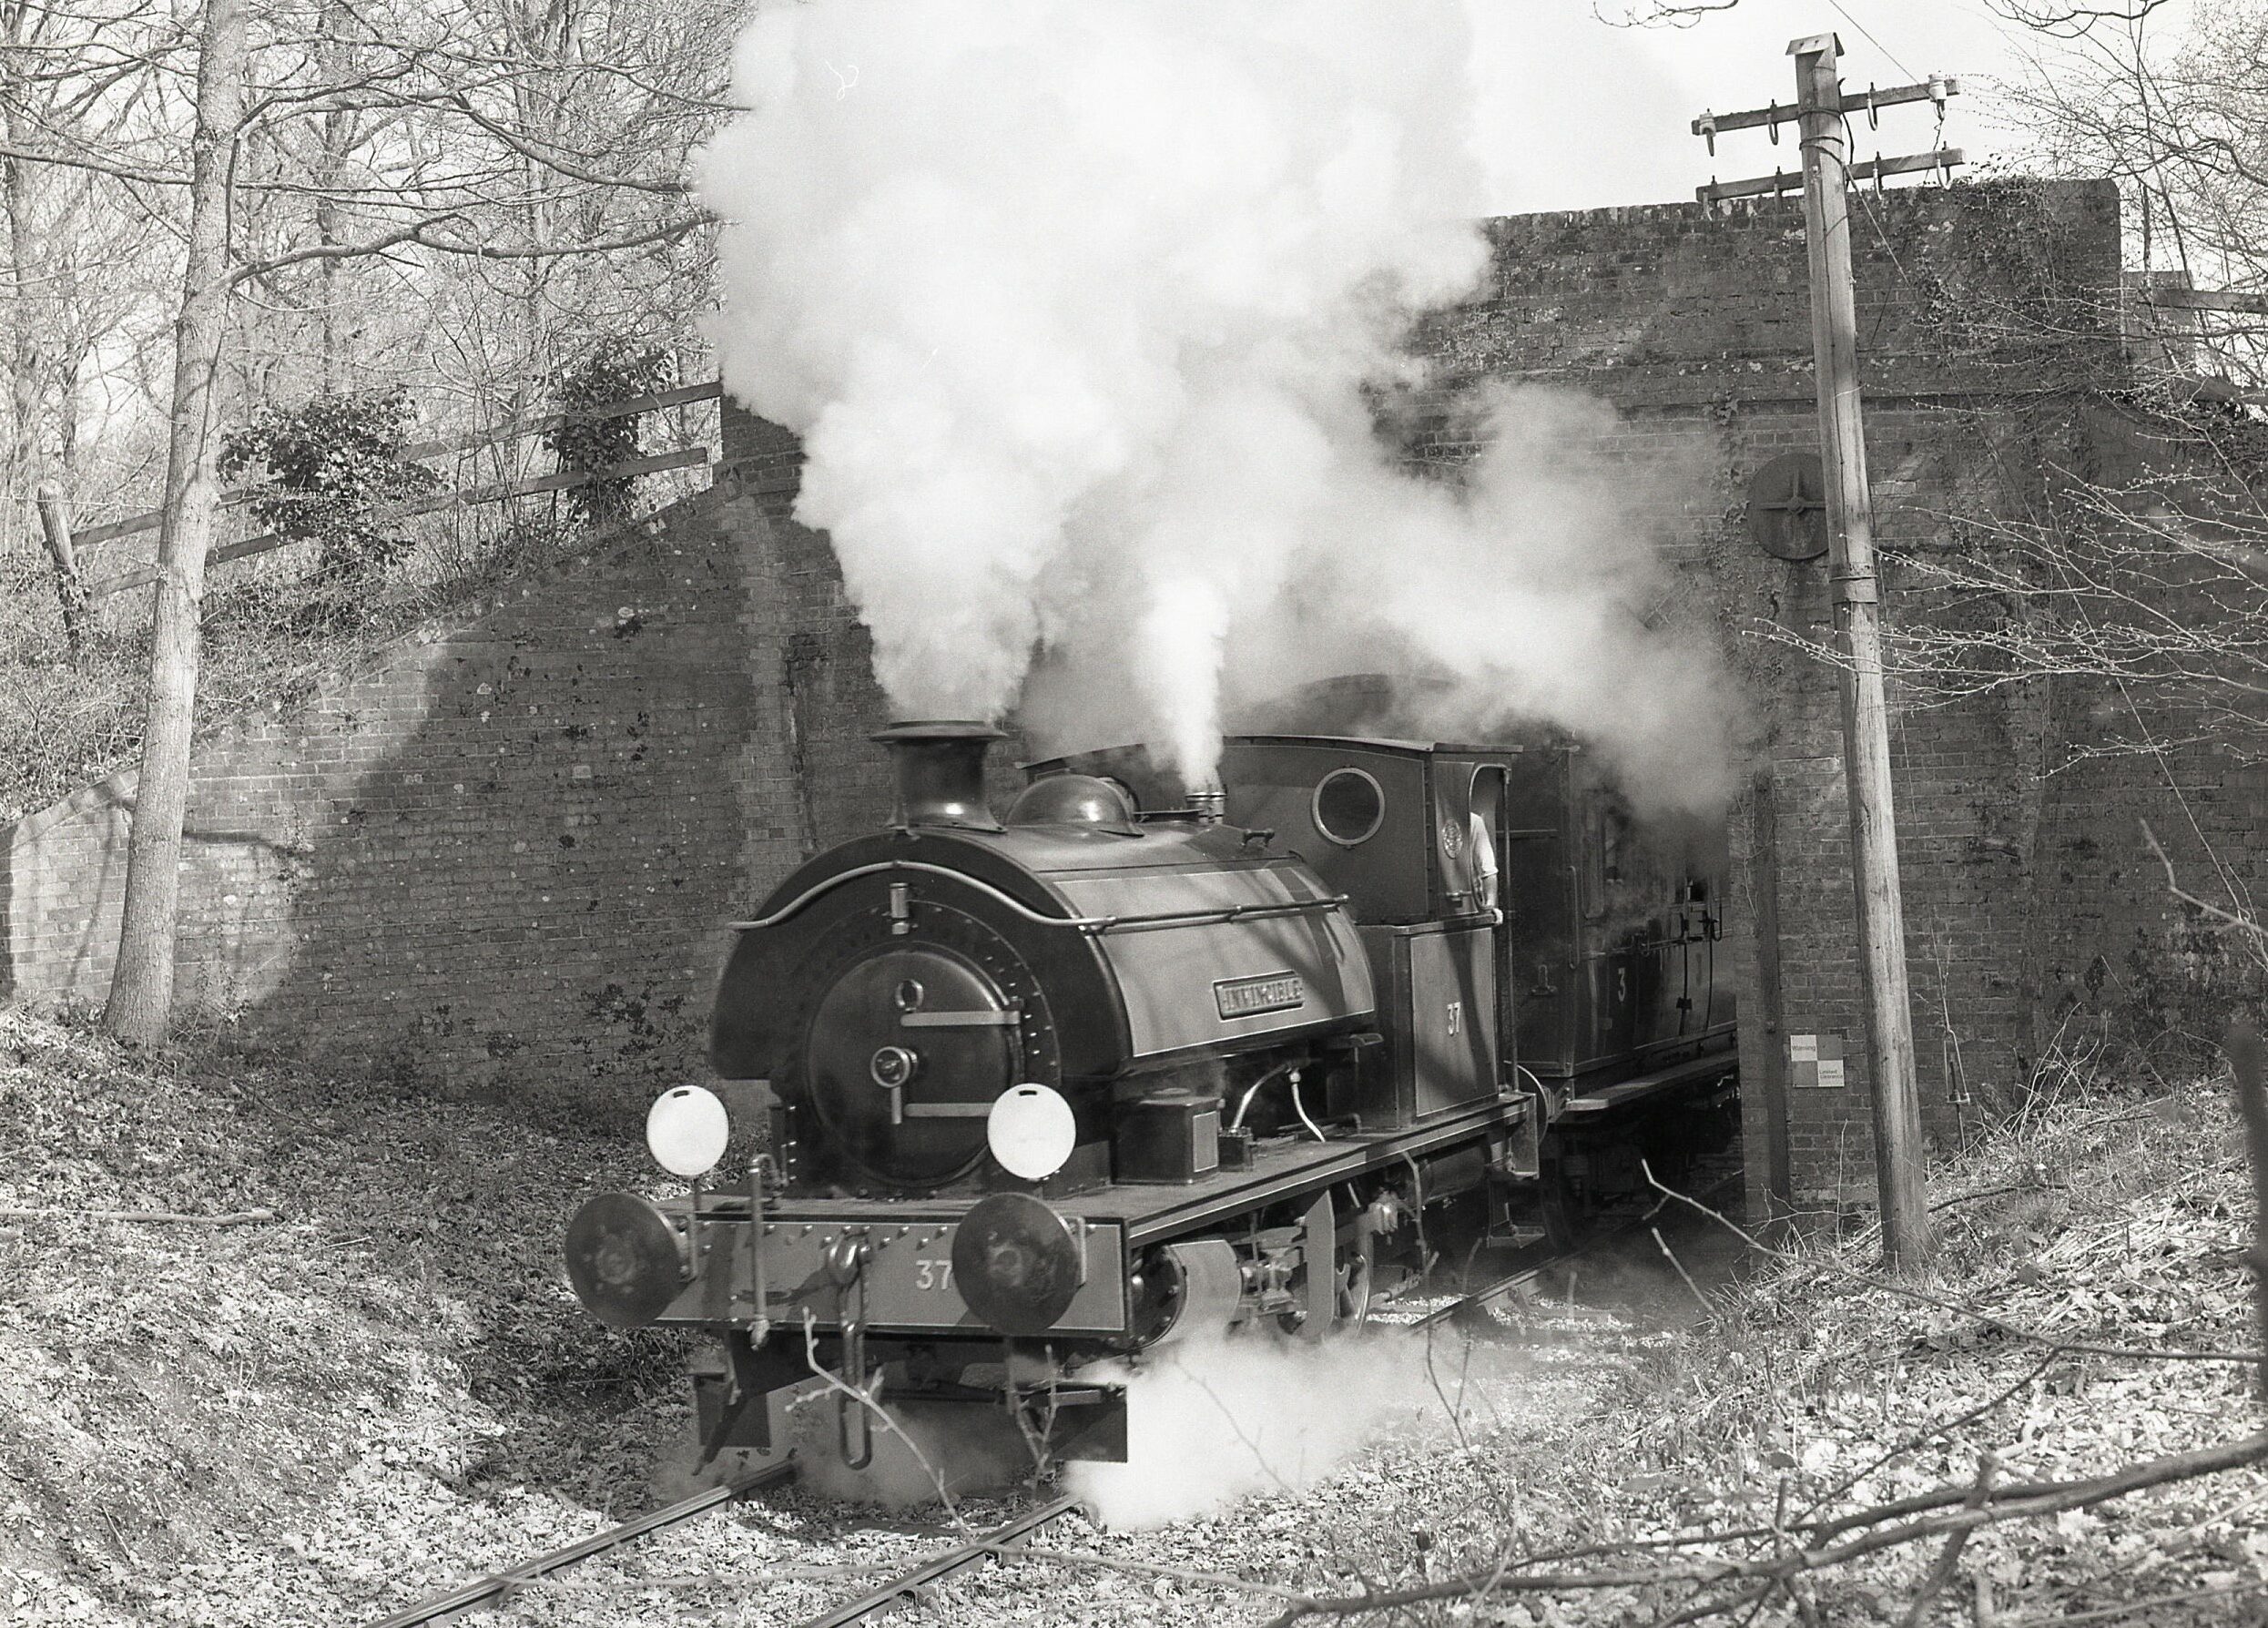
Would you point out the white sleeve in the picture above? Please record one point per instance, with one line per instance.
(1483, 862)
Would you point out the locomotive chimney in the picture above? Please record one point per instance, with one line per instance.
(940, 767)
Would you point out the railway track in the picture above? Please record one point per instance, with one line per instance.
(908, 1585)
(482, 1591)
(1518, 1283)
(1537, 1274)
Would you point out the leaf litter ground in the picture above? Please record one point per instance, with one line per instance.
(389, 1389)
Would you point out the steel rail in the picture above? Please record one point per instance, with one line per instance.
(483, 1589)
(1520, 1280)
(908, 1585)
(1495, 1291)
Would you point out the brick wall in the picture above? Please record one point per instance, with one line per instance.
(1978, 312)
(456, 859)
(2113, 957)
(501, 856)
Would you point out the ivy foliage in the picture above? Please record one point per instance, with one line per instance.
(615, 371)
(332, 463)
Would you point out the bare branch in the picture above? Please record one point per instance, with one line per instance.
(2228, 919)
(413, 233)
(550, 159)
(660, 234)
(1943, 1512)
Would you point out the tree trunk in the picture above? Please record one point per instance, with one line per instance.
(335, 137)
(141, 989)
(17, 30)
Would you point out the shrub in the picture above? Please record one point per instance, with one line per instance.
(615, 371)
(332, 463)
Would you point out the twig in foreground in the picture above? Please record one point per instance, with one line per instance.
(2252, 1101)
(2228, 919)
(155, 1218)
(1941, 1573)
(1945, 1511)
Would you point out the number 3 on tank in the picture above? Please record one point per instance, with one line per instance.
(932, 1274)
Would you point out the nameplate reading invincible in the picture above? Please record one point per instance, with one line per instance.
(1248, 997)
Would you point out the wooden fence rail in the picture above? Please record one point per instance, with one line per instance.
(682, 459)
(510, 431)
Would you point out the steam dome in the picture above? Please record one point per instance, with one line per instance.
(1076, 800)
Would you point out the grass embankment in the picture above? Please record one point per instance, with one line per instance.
(389, 1389)
(251, 1423)
(1818, 1389)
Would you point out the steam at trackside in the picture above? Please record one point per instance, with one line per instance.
(1074, 304)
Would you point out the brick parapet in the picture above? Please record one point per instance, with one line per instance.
(488, 856)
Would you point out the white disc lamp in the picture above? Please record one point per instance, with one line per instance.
(687, 1130)
(1031, 1130)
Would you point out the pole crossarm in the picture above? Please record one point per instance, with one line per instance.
(1870, 169)
(1937, 88)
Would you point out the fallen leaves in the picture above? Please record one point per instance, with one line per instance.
(388, 1389)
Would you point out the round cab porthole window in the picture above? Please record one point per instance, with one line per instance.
(1348, 806)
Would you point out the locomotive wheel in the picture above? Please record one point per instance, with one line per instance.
(1353, 1305)
(1353, 1293)
(1349, 1279)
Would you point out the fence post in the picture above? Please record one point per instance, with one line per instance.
(55, 524)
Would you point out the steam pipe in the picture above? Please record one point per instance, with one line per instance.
(1090, 924)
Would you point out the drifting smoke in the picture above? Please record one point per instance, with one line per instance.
(1082, 309)
(1217, 1419)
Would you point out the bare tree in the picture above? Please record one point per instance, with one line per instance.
(353, 164)
(2141, 563)
(2146, 583)
(141, 990)
(79, 249)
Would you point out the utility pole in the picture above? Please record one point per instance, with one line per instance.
(1819, 112)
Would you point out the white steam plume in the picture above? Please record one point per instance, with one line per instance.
(1217, 1419)
(1075, 303)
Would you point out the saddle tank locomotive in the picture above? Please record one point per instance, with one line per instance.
(1133, 1066)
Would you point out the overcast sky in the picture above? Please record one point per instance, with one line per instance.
(1579, 114)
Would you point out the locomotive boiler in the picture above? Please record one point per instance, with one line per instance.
(1128, 1065)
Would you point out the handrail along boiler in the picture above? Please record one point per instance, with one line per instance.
(1135, 1066)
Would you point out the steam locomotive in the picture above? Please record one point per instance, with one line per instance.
(1131, 1066)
